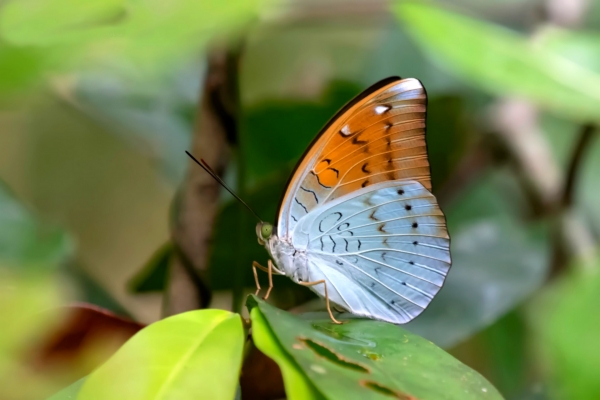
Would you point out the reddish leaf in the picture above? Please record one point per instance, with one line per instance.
(86, 338)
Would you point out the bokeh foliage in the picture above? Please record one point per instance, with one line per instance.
(100, 100)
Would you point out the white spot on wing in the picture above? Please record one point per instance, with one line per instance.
(381, 109)
(345, 130)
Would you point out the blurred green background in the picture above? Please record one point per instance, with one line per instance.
(99, 101)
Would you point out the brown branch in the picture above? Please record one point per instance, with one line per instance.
(197, 208)
(587, 132)
(571, 238)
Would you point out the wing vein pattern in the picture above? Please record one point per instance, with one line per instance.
(360, 206)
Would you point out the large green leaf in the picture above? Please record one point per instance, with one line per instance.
(21, 69)
(24, 241)
(581, 47)
(365, 359)
(23, 298)
(148, 33)
(566, 329)
(70, 392)
(502, 62)
(197, 353)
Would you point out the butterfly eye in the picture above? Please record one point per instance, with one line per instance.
(266, 230)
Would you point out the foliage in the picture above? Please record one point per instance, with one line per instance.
(503, 62)
(360, 354)
(101, 96)
(564, 321)
(25, 241)
(178, 357)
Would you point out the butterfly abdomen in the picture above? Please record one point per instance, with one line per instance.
(292, 261)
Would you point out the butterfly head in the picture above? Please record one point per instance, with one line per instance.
(264, 231)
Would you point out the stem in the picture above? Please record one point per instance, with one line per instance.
(215, 131)
(587, 133)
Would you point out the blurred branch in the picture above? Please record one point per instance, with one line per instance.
(517, 127)
(572, 239)
(550, 193)
(565, 13)
(587, 132)
(261, 377)
(215, 130)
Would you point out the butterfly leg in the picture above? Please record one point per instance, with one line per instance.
(326, 297)
(270, 272)
(254, 266)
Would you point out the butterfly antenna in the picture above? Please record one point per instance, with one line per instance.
(212, 173)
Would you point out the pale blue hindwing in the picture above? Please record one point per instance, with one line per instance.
(384, 250)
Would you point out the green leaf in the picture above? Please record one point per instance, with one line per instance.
(146, 33)
(21, 69)
(154, 275)
(367, 359)
(24, 241)
(70, 392)
(197, 353)
(581, 47)
(28, 312)
(566, 329)
(39, 22)
(502, 62)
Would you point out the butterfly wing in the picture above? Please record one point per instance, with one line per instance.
(379, 136)
(384, 249)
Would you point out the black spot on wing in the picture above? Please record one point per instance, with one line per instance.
(332, 250)
(313, 193)
(346, 244)
(356, 140)
(364, 168)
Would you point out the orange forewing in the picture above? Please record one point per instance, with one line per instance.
(379, 136)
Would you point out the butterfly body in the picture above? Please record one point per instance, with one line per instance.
(358, 214)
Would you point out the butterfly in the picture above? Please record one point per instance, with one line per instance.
(358, 223)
